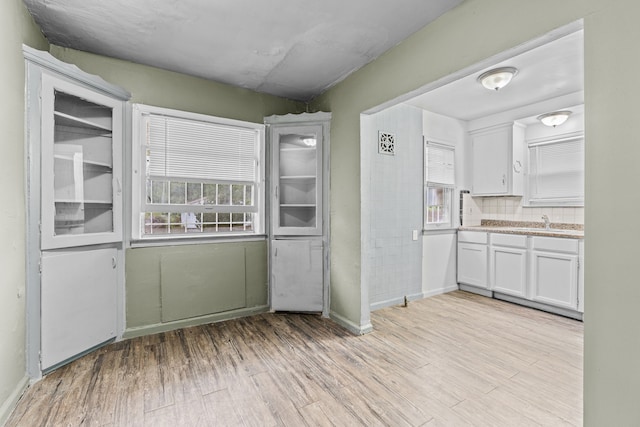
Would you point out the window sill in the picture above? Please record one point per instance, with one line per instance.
(434, 231)
(200, 240)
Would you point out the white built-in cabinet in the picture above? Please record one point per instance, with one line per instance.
(299, 211)
(508, 264)
(75, 131)
(554, 271)
(497, 160)
(543, 272)
(472, 259)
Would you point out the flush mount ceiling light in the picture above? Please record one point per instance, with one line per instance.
(555, 118)
(309, 142)
(497, 78)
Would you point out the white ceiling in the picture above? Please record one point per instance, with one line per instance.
(552, 71)
(291, 48)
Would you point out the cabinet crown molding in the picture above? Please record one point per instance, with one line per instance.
(49, 62)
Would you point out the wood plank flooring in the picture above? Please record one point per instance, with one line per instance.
(452, 360)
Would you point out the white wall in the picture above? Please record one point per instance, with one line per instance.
(439, 250)
(393, 186)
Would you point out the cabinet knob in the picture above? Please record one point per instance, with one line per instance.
(504, 179)
(114, 262)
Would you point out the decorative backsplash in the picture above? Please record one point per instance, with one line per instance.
(477, 209)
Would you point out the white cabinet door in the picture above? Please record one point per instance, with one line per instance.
(297, 180)
(79, 306)
(508, 270)
(490, 163)
(297, 275)
(554, 279)
(81, 149)
(497, 160)
(472, 264)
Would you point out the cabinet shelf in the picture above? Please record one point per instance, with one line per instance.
(298, 205)
(298, 177)
(89, 163)
(310, 150)
(69, 120)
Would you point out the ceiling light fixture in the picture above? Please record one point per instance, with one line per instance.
(555, 118)
(497, 78)
(309, 142)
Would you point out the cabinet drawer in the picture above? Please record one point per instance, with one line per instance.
(473, 237)
(555, 244)
(512, 240)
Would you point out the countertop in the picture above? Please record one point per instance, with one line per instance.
(563, 230)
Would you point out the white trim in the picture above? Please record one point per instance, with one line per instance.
(179, 240)
(395, 301)
(138, 183)
(349, 325)
(12, 400)
(49, 62)
(440, 291)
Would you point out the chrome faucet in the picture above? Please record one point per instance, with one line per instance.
(547, 223)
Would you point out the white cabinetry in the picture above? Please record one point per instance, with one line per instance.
(554, 271)
(296, 275)
(497, 160)
(472, 259)
(75, 130)
(299, 232)
(508, 264)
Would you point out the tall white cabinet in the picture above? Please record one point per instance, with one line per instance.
(75, 130)
(299, 215)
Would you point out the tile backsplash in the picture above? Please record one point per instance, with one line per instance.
(511, 209)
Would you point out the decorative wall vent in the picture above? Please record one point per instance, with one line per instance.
(386, 143)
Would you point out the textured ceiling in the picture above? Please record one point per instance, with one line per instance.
(291, 48)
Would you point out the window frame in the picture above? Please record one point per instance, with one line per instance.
(447, 187)
(577, 201)
(139, 205)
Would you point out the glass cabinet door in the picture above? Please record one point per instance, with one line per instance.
(297, 154)
(80, 183)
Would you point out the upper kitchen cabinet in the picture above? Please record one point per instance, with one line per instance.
(297, 170)
(75, 128)
(497, 160)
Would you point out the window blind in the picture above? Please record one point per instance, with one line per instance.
(439, 161)
(556, 170)
(190, 149)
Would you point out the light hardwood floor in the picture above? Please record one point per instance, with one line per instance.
(451, 360)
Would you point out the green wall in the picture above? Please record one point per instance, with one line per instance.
(145, 272)
(16, 27)
(474, 31)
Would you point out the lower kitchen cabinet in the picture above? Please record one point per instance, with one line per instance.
(472, 259)
(508, 264)
(554, 272)
(542, 272)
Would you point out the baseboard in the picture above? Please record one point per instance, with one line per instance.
(566, 312)
(349, 325)
(8, 405)
(440, 291)
(195, 321)
(476, 290)
(395, 301)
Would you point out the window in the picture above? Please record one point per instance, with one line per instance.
(198, 175)
(556, 172)
(438, 185)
